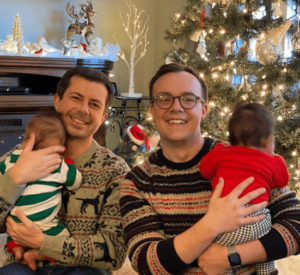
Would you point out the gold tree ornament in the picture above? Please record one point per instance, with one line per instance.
(17, 29)
(137, 31)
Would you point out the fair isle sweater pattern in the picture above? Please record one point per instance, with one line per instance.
(91, 214)
(160, 199)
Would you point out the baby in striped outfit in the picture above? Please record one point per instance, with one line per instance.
(41, 200)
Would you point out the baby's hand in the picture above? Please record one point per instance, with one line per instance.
(19, 251)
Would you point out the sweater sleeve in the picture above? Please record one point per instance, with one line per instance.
(149, 250)
(103, 248)
(9, 193)
(73, 176)
(281, 173)
(284, 238)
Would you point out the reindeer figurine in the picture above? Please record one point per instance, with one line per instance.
(78, 27)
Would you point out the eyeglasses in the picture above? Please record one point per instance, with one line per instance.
(187, 101)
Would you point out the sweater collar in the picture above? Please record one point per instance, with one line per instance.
(208, 144)
(87, 155)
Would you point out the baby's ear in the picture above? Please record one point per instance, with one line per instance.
(268, 143)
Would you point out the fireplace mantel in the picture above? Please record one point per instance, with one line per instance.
(49, 66)
(36, 65)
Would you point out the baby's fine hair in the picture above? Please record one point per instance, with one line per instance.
(250, 124)
(46, 126)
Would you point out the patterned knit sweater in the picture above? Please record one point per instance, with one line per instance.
(90, 213)
(161, 199)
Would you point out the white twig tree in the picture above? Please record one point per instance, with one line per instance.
(137, 33)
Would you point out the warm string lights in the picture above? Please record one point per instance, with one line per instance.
(242, 61)
(232, 68)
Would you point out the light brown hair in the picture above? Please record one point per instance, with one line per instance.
(45, 126)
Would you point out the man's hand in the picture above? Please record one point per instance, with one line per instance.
(214, 260)
(19, 252)
(31, 257)
(229, 213)
(33, 165)
(27, 233)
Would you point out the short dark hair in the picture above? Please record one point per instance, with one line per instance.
(88, 74)
(46, 126)
(176, 68)
(250, 124)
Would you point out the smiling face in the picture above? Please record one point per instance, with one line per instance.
(82, 107)
(177, 125)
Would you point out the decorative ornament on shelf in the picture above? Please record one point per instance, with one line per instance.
(42, 44)
(137, 33)
(17, 29)
(266, 51)
(76, 51)
(10, 45)
(95, 47)
(85, 28)
(15, 45)
(295, 41)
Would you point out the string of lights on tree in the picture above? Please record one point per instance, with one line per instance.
(236, 46)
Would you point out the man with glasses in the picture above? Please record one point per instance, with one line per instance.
(170, 218)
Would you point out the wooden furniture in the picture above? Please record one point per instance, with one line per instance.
(41, 74)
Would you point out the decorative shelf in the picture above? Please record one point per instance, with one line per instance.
(49, 66)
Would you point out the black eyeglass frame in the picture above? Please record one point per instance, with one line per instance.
(198, 98)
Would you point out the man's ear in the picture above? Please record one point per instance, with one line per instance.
(151, 108)
(56, 100)
(204, 111)
(104, 117)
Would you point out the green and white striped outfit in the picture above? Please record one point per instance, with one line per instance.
(41, 199)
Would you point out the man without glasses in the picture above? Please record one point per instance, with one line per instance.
(90, 213)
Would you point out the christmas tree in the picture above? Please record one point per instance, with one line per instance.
(237, 47)
(17, 29)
